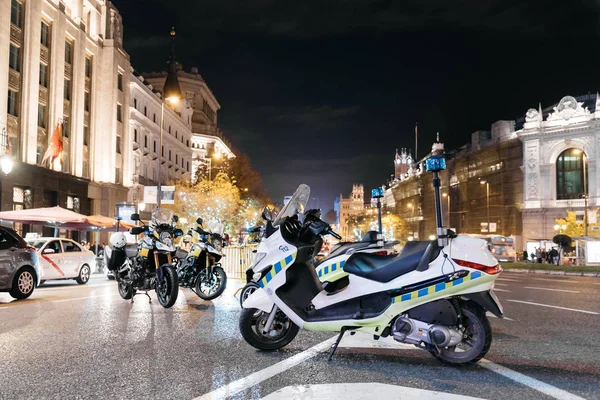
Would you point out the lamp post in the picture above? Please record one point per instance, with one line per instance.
(217, 156)
(171, 94)
(487, 194)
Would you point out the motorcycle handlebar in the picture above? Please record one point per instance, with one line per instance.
(335, 235)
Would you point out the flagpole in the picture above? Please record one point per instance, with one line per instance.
(416, 141)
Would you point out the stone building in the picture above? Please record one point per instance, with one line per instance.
(353, 205)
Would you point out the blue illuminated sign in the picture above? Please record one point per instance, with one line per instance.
(435, 163)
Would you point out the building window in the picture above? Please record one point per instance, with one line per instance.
(145, 111)
(41, 116)
(187, 143)
(146, 142)
(39, 154)
(65, 126)
(119, 113)
(22, 200)
(154, 118)
(86, 135)
(175, 134)
(86, 101)
(88, 67)
(73, 203)
(68, 52)
(570, 174)
(68, 89)
(45, 38)
(169, 155)
(120, 82)
(169, 128)
(176, 159)
(188, 166)
(118, 145)
(155, 146)
(135, 103)
(135, 138)
(13, 102)
(117, 175)
(162, 151)
(43, 75)
(15, 13)
(13, 59)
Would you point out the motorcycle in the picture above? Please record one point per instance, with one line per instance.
(434, 294)
(329, 269)
(199, 269)
(147, 265)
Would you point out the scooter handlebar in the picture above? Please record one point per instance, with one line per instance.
(335, 235)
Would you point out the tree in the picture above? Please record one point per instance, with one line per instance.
(330, 217)
(394, 227)
(562, 241)
(574, 228)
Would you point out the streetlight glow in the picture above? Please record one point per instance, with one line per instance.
(173, 99)
(483, 182)
(6, 163)
(217, 155)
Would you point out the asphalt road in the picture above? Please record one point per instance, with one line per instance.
(83, 341)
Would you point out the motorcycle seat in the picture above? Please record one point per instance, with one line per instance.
(414, 256)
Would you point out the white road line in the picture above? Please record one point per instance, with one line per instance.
(552, 290)
(83, 298)
(489, 314)
(500, 290)
(500, 284)
(560, 308)
(528, 381)
(247, 382)
(72, 287)
(555, 280)
(507, 280)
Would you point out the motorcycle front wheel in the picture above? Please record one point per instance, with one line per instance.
(210, 286)
(167, 291)
(477, 338)
(247, 291)
(126, 290)
(252, 322)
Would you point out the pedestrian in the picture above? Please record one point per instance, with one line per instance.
(532, 256)
(554, 256)
(544, 255)
(538, 255)
(525, 256)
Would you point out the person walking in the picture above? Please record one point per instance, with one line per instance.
(554, 256)
(538, 255)
(525, 256)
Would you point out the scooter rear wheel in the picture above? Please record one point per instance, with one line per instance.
(252, 321)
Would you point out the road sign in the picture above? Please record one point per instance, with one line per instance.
(167, 194)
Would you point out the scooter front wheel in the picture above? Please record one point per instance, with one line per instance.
(252, 323)
(247, 291)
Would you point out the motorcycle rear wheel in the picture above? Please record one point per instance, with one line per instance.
(282, 333)
(169, 290)
(477, 338)
(212, 286)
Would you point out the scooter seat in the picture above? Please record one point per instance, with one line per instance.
(343, 247)
(415, 255)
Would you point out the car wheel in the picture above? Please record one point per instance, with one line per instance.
(23, 283)
(84, 275)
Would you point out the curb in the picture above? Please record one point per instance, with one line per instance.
(547, 272)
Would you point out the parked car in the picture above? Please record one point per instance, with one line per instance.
(63, 259)
(20, 270)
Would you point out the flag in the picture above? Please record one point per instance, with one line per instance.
(55, 147)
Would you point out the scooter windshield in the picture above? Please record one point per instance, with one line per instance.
(296, 204)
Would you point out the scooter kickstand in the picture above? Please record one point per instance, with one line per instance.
(337, 342)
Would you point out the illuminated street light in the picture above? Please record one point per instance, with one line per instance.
(141, 206)
(431, 237)
(410, 238)
(6, 163)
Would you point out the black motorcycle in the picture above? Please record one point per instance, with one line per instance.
(148, 265)
(199, 269)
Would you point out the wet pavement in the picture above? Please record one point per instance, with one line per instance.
(72, 341)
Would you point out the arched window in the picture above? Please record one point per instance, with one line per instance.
(570, 175)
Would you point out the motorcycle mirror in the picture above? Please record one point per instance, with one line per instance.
(199, 221)
(175, 218)
(178, 232)
(135, 217)
(267, 215)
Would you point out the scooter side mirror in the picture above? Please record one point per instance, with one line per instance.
(199, 221)
(267, 215)
(135, 217)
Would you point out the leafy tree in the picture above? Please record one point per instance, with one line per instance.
(574, 228)
(330, 217)
(394, 227)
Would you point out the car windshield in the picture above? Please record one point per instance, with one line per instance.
(162, 216)
(296, 204)
(36, 243)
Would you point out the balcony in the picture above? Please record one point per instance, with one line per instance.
(145, 150)
(16, 34)
(154, 155)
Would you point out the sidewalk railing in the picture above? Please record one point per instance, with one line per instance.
(237, 260)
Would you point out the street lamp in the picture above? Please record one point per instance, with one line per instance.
(171, 94)
(487, 192)
(560, 228)
(6, 163)
(216, 156)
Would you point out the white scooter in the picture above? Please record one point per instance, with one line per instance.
(433, 295)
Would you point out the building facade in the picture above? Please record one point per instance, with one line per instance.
(348, 207)
(64, 66)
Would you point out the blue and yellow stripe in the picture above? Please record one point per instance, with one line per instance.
(436, 288)
(328, 269)
(277, 268)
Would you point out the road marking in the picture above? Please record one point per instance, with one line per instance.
(500, 290)
(500, 284)
(560, 308)
(247, 382)
(359, 391)
(528, 381)
(72, 287)
(489, 314)
(507, 280)
(83, 298)
(552, 290)
(555, 280)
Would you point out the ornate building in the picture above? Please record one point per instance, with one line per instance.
(560, 156)
(348, 207)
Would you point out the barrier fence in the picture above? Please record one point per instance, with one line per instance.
(237, 260)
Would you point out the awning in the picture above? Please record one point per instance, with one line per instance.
(52, 216)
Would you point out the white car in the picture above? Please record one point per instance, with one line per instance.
(63, 259)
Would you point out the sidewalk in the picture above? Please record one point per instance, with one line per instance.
(549, 269)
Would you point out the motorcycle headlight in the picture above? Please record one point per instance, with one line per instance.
(166, 238)
(217, 244)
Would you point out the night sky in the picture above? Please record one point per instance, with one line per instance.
(323, 92)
